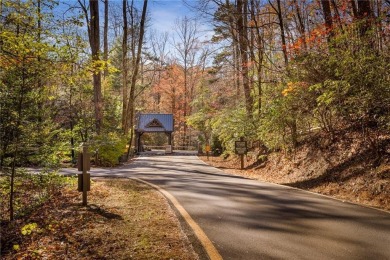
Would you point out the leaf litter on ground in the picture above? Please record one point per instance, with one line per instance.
(124, 219)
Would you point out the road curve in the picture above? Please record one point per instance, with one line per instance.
(247, 219)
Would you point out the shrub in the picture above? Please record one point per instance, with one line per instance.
(109, 148)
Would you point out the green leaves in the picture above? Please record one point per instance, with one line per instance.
(28, 229)
(231, 124)
(109, 148)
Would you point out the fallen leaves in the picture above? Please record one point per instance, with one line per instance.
(124, 219)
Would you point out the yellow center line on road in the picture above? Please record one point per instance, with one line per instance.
(211, 251)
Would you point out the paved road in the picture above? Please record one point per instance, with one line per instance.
(247, 219)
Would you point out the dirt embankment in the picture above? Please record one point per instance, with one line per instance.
(348, 168)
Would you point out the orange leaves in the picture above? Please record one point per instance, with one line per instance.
(171, 82)
(251, 23)
(294, 87)
(289, 89)
(249, 64)
(297, 45)
(312, 40)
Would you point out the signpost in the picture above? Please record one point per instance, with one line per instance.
(241, 149)
(208, 149)
(84, 179)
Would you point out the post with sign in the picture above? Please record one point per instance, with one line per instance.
(241, 149)
(84, 179)
(208, 149)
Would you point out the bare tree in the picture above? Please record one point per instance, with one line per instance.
(187, 47)
(278, 10)
(159, 44)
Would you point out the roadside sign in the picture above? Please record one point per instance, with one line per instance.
(240, 147)
(208, 148)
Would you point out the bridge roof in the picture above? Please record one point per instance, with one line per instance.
(155, 123)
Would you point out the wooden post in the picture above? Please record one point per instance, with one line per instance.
(242, 155)
(169, 138)
(242, 161)
(85, 176)
(208, 148)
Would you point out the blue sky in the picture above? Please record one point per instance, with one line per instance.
(162, 13)
(165, 12)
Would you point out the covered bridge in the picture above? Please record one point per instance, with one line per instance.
(153, 123)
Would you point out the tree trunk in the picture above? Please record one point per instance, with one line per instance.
(301, 24)
(125, 124)
(365, 14)
(364, 9)
(235, 51)
(337, 13)
(243, 43)
(327, 17)
(12, 185)
(95, 45)
(16, 130)
(354, 8)
(260, 55)
(131, 103)
(105, 38)
(278, 11)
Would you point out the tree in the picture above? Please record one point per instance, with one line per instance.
(124, 69)
(131, 101)
(242, 10)
(278, 11)
(187, 48)
(105, 38)
(93, 25)
(327, 14)
(28, 64)
(364, 13)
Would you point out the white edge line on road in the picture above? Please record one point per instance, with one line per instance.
(211, 251)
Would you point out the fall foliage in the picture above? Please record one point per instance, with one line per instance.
(278, 73)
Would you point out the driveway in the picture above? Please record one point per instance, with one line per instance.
(248, 219)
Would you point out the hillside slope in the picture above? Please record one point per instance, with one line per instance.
(348, 168)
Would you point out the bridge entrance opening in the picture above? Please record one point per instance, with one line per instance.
(154, 127)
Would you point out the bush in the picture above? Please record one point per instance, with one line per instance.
(109, 148)
(229, 125)
(350, 82)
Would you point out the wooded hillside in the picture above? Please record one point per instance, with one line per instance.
(274, 72)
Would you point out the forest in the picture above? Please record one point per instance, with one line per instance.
(276, 72)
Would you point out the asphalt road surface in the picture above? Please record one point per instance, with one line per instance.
(247, 219)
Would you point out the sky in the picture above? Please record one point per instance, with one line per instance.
(162, 13)
(165, 12)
